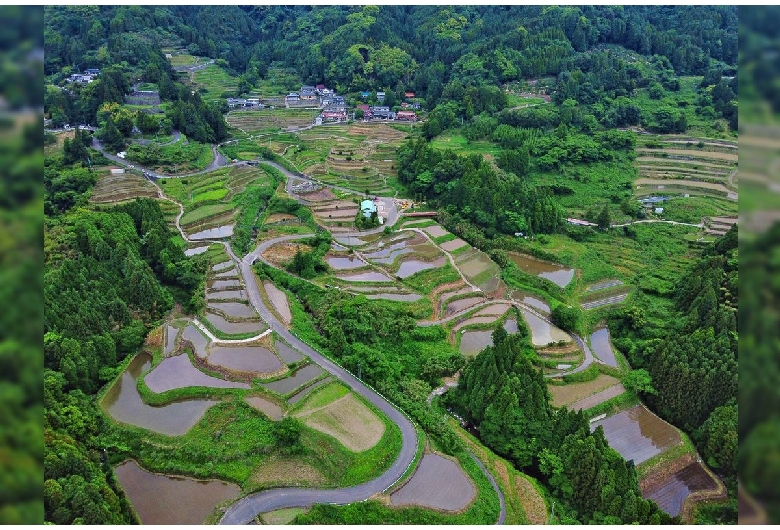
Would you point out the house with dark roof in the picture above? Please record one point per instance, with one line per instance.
(308, 93)
(292, 97)
(383, 113)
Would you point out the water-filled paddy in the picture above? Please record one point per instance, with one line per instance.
(371, 276)
(397, 297)
(559, 275)
(531, 301)
(473, 342)
(178, 372)
(170, 339)
(195, 251)
(235, 328)
(602, 348)
(166, 500)
(254, 359)
(234, 294)
(543, 333)
(345, 262)
(671, 494)
(223, 265)
(235, 309)
(214, 233)
(198, 340)
(638, 434)
(438, 483)
(287, 353)
(217, 285)
(299, 378)
(124, 404)
(456, 306)
(413, 266)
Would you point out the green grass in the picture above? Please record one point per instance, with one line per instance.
(673, 453)
(212, 81)
(204, 212)
(462, 146)
(426, 281)
(321, 397)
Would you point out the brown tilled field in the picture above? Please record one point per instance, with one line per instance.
(279, 301)
(127, 186)
(348, 420)
(568, 394)
(282, 253)
(438, 483)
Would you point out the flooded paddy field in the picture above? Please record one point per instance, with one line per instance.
(220, 285)
(396, 297)
(602, 348)
(168, 500)
(178, 372)
(305, 391)
(413, 266)
(235, 328)
(235, 309)
(230, 294)
(197, 339)
(438, 483)
(229, 273)
(559, 275)
(195, 251)
(246, 359)
(638, 434)
(219, 267)
(456, 306)
(268, 407)
(493, 309)
(390, 258)
(531, 301)
(543, 333)
(372, 276)
(344, 262)
(170, 339)
(473, 342)
(124, 404)
(299, 378)
(287, 353)
(218, 232)
(670, 494)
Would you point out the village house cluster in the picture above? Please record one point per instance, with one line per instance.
(89, 75)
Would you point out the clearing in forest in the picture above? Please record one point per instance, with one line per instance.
(568, 394)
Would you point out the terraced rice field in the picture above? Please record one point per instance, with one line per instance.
(234, 309)
(199, 342)
(235, 328)
(542, 332)
(298, 379)
(115, 188)
(679, 164)
(597, 398)
(438, 483)
(670, 494)
(573, 392)
(278, 300)
(164, 500)
(255, 360)
(178, 372)
(270, 120)
(638, 434)
(409, 267)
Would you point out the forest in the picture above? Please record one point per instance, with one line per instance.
(596, 73)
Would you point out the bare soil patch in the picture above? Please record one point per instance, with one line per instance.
(282, 253)
(567, 394)
(597, 398)
(266, 406)
(438, 483)
(435, 231)
(348, 420)
(324, 194)
(454, 244)
(279, 300)
(278, 217)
